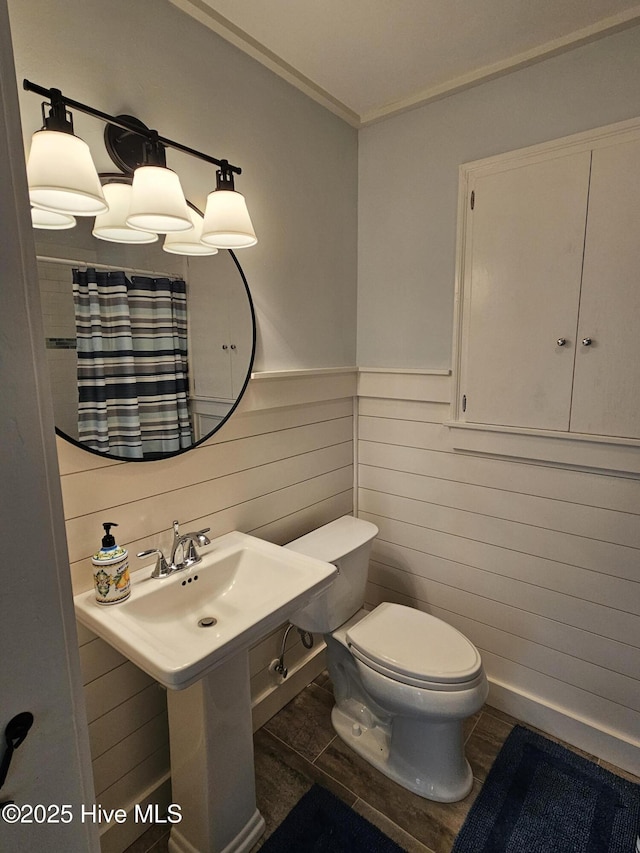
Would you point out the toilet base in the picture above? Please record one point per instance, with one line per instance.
(444, 775)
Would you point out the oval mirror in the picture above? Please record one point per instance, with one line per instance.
(149, 352)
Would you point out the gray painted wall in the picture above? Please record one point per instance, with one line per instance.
(409, 180)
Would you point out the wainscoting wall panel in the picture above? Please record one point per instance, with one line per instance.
(281, 466)
(538, 564)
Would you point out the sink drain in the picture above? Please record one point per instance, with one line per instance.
(207, 622)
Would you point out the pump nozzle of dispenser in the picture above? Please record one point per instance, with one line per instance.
(108, 541)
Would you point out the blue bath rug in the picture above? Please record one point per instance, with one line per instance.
(321, 823)
(542, 798)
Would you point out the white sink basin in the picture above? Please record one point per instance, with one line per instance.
(247, 585)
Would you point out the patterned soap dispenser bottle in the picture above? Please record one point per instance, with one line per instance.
(111, 569)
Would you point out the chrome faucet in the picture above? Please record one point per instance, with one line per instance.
(188, 542)
(185, 541)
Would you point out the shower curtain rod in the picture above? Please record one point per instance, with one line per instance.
(77, 263)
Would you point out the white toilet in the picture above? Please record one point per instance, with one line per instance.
(404, 681)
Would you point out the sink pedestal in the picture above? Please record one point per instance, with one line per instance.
(212, 769)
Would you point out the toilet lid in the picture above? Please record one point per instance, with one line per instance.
(414, 644)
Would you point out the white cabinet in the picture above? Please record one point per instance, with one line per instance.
(549, 258)
(220, 329)
(606, 389)
(221, 339)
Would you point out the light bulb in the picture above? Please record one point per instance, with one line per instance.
(157, 201)
(227, 223)
(112, 225)
(189, 242)
(61, 174)
(50, 220)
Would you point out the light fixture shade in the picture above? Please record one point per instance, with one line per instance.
(112, 225)
(61, 174)
(227, 224)
(50, 220)
(157, 201)
(189, 242)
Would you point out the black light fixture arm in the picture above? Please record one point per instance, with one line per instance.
(59, 117)
(56, 96)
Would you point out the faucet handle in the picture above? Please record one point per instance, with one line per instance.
(161, 569)
(202, 539)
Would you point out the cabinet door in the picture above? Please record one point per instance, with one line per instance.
(208, 301)
(523, 263)
(606, 395)
(240, 335)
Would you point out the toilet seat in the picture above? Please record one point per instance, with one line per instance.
(415, 648)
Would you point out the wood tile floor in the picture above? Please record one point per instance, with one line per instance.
(299, 747)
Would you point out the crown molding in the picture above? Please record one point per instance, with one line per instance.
(205, 14)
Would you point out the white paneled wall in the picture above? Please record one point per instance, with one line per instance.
(538, 565)
(282, 466)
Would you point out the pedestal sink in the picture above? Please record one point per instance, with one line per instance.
(191, 632)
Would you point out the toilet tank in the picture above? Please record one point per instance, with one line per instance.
(346, 543)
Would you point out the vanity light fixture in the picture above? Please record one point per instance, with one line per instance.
(227, 223)
(51, 221)
(157, 203)
(61, 174)
(189, 242)
(112, 225)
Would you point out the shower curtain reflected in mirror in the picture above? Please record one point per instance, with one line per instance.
(133, 388)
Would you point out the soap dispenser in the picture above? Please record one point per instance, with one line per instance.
(111, 573)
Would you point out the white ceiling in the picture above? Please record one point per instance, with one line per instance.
(367, 59)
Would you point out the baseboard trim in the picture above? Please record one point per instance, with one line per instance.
(606, 744)
(116, 837)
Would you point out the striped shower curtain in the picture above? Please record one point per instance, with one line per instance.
(132, 364)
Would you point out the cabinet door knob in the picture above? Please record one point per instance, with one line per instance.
(233, 346)
(586, 342)
(224, 346)
(561, 342)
